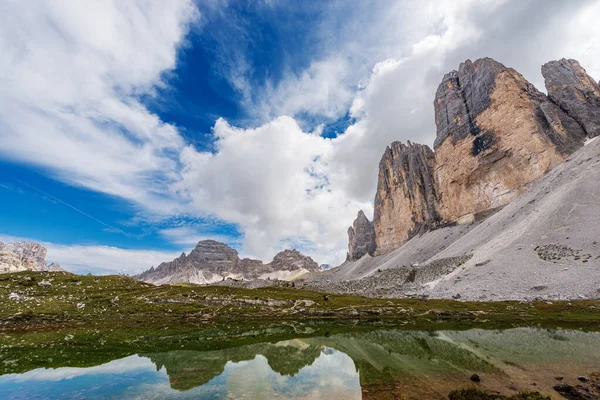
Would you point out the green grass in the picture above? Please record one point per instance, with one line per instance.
(117, 301)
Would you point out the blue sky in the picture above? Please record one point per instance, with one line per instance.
(128, 132)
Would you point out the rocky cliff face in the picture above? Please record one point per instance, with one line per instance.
(406, 197)
(496, 134)
(23, 256)
(290, 260)
(361, 237)
(574, 91)
(211, 261)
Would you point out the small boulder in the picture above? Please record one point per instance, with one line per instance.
(15, 297)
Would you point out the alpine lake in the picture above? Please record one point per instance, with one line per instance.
(110, 338)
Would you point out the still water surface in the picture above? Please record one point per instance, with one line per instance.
(377, 364)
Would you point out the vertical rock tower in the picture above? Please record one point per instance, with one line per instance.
(575, 92)
(406, 197)
(495, 134)
(361, 237)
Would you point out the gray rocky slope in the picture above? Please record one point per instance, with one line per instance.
(211, 262)
(545, 245)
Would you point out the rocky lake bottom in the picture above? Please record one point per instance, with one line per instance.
(372, 364)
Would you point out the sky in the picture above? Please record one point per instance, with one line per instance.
(131, 130)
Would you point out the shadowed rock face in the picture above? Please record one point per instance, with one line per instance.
(361, 237)
(495, 134)
(571, 88)
(406, 198)
(211, 261)
(22, 256)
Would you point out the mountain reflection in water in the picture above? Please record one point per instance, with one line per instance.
(377, 364)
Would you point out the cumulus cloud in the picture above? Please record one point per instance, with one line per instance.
(274, 182)
(105, 260)
(70, 79)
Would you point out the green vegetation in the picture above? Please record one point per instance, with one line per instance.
(37, 301)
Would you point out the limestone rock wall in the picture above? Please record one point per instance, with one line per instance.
(406, 197)
(361, 237)
(495, 134)
(577, 93)
(24, 256)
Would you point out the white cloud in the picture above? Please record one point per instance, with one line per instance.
(70, 77)
(318, 90)
(105, 260)
(273, 181)
(125, 365)
(191, 235)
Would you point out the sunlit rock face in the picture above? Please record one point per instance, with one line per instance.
(361, 237)
(24, 256)
(577, 93)
(495, 134)
(406, 197)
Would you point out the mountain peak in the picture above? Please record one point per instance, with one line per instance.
(212, 261)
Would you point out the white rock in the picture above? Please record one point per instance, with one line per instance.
(80, 306)
(44, 283)
(15, 297)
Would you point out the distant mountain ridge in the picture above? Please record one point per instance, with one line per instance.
(211, 261)
(24, 256)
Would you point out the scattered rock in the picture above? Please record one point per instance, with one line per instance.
(574, 392)
(475, 378)
(16, 297)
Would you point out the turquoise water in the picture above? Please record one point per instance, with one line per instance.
(378, 364)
